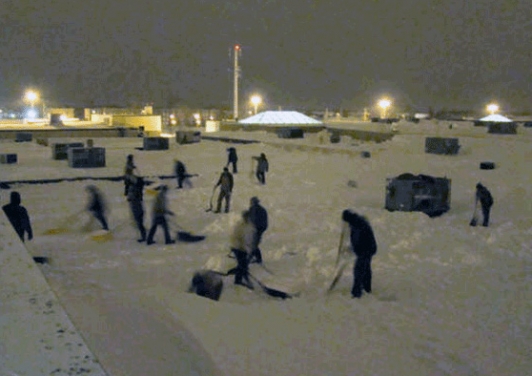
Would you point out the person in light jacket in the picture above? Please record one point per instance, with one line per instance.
(225, 182)
(241, 242)
(159, 212)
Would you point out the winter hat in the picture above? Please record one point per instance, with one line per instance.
(346, 215)
(255, 200)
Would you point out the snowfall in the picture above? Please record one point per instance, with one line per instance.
(448, 298)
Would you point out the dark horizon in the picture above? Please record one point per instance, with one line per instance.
(301, 54)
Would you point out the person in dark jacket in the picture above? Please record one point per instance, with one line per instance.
(96, 205)
(129, 173)
(486, 202)
(232, 158)
(262, 168)
(159, 212)
(135, 196)
(18, 216)
(182, 175)
(225, 182)
(259, 217)
(365, 247)
(207, 283)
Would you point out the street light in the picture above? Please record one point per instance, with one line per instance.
(384, 104)
(256, 100)
(492, 108)
(31, 96)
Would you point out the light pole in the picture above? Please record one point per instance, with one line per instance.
(492, 108)
(236, 72)
(256, 100)
(384, 104)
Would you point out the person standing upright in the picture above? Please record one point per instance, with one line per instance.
(259, 217)
(364, 246)
(232, 158)
(262, 168)
(225, 182)
(18, 216)
(135, 197)
(159, 212)
(129, 173)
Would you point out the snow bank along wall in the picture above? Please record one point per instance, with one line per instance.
(37, 336)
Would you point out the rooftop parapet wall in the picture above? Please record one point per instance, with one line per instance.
(38, 337)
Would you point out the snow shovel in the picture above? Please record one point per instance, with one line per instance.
(210, 201)
(474, 220)
(185, 236)
(65, 225)
(270, 291)
(106, 235)
(337, 276)
(339, 269)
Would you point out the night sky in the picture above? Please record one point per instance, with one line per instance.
(295, 53)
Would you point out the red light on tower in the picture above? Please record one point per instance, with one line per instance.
(237, 47)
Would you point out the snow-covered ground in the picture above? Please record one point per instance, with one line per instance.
(449, 299)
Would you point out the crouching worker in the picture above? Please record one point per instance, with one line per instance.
(365, 246)
(242, 243)
(207, 283)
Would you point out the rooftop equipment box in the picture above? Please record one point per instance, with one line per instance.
(441, 145)
(187, 137)
(8, 158)
(59, 150)
(427, 194)
(290, 133)
(502, 128)
(86, 157)
(155, 143)
(23, 137)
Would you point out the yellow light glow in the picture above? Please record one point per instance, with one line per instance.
(256, 100)
(31, 96)
(384, 104)
(492, 108)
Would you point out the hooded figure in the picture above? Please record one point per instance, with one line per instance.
(232, 158)
(129, 173)
(259, 217)
(262, 168)
(18, 216)
(486, 202)
(181, 174)
(135, 196)
(364, 246)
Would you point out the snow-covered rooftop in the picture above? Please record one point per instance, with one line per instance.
(496, 118)
(280, 117)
